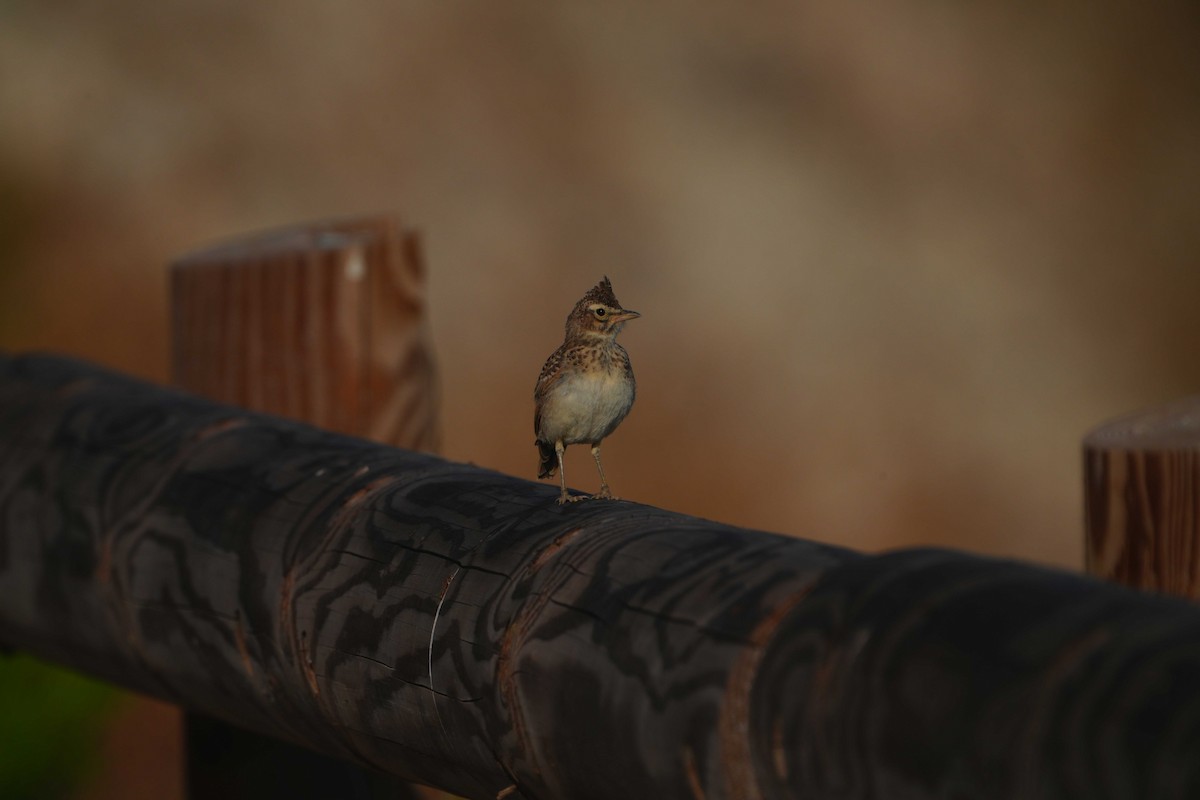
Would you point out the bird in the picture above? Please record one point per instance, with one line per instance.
(586, 387)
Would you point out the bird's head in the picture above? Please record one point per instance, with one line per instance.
(599, 313)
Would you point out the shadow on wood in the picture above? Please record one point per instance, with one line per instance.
(456, 627)
(227, 762)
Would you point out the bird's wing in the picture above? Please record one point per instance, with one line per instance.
(550, 376)
(623, 354)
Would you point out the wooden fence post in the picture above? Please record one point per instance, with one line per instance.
(1142, 499)
(324, 323)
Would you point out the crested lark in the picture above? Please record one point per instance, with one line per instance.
(586, 387)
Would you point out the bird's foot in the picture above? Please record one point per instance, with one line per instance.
(564, 498)
(605, 494)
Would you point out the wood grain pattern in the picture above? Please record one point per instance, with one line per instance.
(1142, 499)
(322, 322)
(456, 627)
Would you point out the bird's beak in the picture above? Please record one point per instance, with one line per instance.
(625, 315)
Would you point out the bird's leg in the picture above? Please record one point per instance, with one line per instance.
(563, 497)
(605, 493)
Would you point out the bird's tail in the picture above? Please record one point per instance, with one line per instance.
(548, 459)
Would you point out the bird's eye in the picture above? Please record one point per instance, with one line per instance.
(601, 313)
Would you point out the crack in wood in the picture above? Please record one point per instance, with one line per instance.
(587, 612)
(457, 562)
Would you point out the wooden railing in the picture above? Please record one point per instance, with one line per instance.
(456, 627)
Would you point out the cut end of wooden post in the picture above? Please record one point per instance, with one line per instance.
(1142, 499)
(323, 322)
(1174, 426)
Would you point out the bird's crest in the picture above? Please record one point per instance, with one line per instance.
(602, 293)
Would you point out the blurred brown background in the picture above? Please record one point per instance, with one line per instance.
(893, 259)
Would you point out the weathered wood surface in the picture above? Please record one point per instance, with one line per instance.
(456, 627)
(1142, 499)
(313, 322)
(324, 323)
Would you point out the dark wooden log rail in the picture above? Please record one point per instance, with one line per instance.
(456, 627)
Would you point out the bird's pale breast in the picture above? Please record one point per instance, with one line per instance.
(586, 406)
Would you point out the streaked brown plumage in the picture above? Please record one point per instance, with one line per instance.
(586, 386)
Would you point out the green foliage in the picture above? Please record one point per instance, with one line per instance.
(49, 723)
